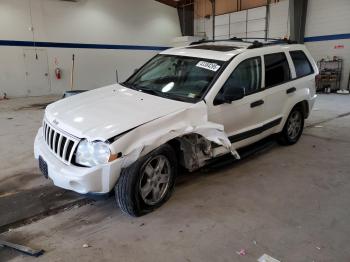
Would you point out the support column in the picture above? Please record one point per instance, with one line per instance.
(297, 14)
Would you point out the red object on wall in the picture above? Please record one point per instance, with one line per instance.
(338, 46)
(58, 73)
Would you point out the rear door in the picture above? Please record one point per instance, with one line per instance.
(278, 88)
(304, 78)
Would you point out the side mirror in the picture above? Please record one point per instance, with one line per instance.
(230, 95)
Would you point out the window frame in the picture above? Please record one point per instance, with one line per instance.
(289, 66)
(312, 69)
(260, 87)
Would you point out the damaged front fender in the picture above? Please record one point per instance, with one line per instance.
(192, 120)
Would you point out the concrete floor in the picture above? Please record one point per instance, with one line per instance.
(291, 203)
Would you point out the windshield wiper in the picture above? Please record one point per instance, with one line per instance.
(150, 91)
(156, 92)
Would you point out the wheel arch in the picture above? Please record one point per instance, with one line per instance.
(304, 105)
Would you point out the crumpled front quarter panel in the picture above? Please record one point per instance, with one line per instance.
(149, 136)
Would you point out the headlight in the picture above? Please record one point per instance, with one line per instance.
(92, 153)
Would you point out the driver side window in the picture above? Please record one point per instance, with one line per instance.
(247, 75)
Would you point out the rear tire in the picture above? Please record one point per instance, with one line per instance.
(148, 183)
(293, 128)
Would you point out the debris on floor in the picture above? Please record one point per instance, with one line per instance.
(318, 126)
(267, 258)
(242, 252)
(23, 249)
(86, 246)
(4, 97)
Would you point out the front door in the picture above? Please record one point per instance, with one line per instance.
(242, 118)
(37, 72)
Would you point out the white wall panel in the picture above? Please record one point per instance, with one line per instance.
(238, 24)
(326, 17)
(222, 19)
(240, 16)
(279, 20)
(256, 25)
(239, 27)
(257, 13)
(199, 26)
(222, 30)
(208, 24)
(222, 26)
(258, 34)
(92, 22)
(329, 18)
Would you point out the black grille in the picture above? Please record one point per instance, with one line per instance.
(60, 143)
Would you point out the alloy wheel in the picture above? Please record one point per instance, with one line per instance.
(294, 124)
(155, 180)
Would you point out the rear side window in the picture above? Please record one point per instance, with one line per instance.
(301, 63)
(276, 69)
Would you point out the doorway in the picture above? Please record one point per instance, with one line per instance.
(36, 72)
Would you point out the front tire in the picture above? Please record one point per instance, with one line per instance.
(148, 183)
(293, 128)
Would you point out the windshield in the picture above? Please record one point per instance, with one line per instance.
(175, 77)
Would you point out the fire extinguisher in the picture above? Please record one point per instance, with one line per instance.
(58, 73)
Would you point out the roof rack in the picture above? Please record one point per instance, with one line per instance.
(254, 44)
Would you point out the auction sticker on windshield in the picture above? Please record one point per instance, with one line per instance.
(210, 66)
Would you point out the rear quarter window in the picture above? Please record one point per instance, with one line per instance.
(301, 63)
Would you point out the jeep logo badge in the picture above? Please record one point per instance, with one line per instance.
(55, 122)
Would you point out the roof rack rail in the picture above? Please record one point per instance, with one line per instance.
(254, 44)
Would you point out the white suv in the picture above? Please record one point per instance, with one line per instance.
(183, 108)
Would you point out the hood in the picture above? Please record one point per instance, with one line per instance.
(106, 112)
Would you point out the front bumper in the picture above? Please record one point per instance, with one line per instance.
(84, 180)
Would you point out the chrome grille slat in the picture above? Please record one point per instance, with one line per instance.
(60, 143)
(72, 151)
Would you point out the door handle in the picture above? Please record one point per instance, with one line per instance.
(257, 103)
(291, 90)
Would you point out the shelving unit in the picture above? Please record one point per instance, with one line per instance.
(330, 75)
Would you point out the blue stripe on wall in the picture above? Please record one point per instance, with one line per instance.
(326, 37)
(80, 45)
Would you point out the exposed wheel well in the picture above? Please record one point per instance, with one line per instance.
(176, 145)
(192, 150)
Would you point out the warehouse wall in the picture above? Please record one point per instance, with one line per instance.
(327, 20)
(130, 23)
